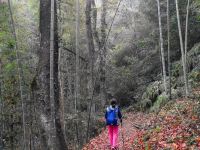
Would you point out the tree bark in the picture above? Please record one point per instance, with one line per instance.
(103, 54)
(161, 47)
(77, 80)
(168, 47)
(1, 109)
(186, 37)
(101, 47)
(90, 43)
(186, 28)
(46, 111)
(182, 48)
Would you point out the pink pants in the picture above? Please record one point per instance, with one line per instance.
(113, 135)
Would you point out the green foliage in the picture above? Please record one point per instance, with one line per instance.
(194, 78)
(10, 97)
(176, 69)
(160, 102)
(153, 91)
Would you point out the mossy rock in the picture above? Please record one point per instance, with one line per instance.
(176, 93)
(160, 102)
(146, 103)
(194, 78)
(153, 91)
(176, 69)
(193, 57)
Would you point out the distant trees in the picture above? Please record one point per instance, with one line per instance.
(182, 46)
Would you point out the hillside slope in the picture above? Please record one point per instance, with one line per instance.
(176, 126)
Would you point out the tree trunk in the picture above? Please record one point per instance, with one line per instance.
(186, 37)
(182, 48)
(52, 94)
(1, 109)
(101, 47)
(90, 43)
(103, 53)
(48, 103)
(168, 47)
(186, 28)
(77, 75)
(161, 47)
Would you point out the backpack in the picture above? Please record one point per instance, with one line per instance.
(112, 116)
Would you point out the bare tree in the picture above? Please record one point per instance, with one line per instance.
(100, 39)
(103, 54)
(52, 96)
(1, 109)
(77, 82)
(168, 47)
(90, 43)
(186, 36)
(186, 28)
(182, 49)
(161, 47)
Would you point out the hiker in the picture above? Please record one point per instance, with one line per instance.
(113, 116)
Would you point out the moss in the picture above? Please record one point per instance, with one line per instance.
(153, 91)
(176, 69)
(193, 57)
(146, 103)
(161, 101)
(194, 78)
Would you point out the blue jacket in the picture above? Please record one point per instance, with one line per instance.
(118, 113)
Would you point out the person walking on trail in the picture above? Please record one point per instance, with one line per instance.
(113, 118)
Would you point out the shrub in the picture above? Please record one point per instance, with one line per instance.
(161, 101)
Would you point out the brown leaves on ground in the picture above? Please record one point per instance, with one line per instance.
(175, 127)
(127, 134)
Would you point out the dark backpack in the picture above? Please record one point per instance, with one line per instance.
(112, 116)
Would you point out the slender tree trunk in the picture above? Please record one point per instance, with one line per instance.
(162, 49)
(186, 37)
(77, 89)
(103, 53)
(60, 138)
(52, 88)
(186, 28)
(168, 39)
(1, 110)
(62, 94)
(21, 79)
(77, 81)
(90, 43)
(61, 77)
(182, 49)
(101, 47)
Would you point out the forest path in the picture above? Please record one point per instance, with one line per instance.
(132, 124)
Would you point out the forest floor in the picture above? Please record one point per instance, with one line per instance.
(176, 126)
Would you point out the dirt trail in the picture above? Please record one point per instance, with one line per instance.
(132, 123)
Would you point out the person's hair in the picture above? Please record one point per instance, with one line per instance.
(113, 101)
